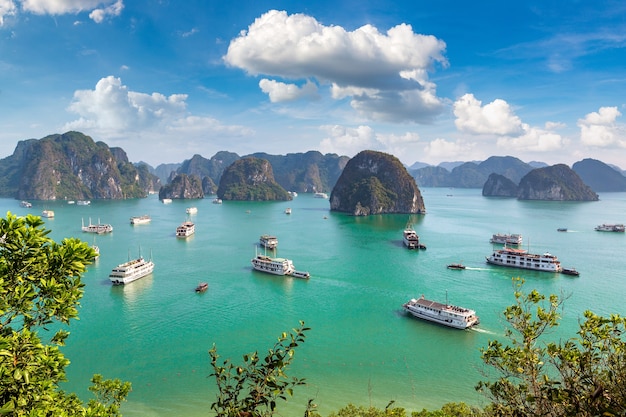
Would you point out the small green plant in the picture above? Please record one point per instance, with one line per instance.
(252, 389)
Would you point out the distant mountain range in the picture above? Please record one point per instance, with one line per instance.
(74, 166)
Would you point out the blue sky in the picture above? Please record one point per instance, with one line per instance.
(424, 81)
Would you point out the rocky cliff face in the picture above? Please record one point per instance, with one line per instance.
(376, 183)
(554, 183)
(72, 166)
(250, 179)
(182, 186)
(499, 186)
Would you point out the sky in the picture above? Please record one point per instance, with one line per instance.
(431, 82)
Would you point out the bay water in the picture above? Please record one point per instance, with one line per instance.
(362, 349)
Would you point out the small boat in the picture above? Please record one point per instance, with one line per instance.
(140, 219)
(506, 239)
(48, 214)
(191, 210)
(570, 271)
(202, 287)
(268, 241)
(99, 228)
(288, 210)
(446, 314)
(131, 271)
(619, 228)
(71, 202)
(83, 202)
(166, 201)
(25, 204)
(186, 229)
(321, 195)
(456, 266)
(562, 229)
(217, 201)
(292, 193)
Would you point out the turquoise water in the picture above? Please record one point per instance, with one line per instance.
(156, 332)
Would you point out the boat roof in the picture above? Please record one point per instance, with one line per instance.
(439, 306)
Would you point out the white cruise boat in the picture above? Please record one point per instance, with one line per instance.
(520, 258)
(48, 214)
(410, 239)
(83, 202)
(131, 271)
(166, 201)
(268, 241)
(25, 204)
(288, 210)
(99, 228)
(611, 228)
(217, 201)
(186, 229)
(277, 266)
(446, 314)
(191, 210)
(321, 195)
(506, 239)
(140, 219)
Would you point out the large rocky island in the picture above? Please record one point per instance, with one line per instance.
(72, 166)
(554, 183)
(376, 183)
(250, 179)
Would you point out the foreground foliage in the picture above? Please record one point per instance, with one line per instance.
(40, 287)
(581, 376)
(252, 389)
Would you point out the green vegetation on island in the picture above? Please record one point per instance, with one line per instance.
(250, 179)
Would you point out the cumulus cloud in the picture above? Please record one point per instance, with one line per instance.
(444, 149)
(112, 110)
(99, 9)
(7, 8)
(600, 129)
(279, 92)
(115, 9)
(495, 118)
(533, 139)
(346, 140)
(377, 70)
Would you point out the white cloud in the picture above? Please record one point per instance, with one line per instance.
(533, 140)
(386, 74)
(279, 92)
(115, 9)
(347, 141)
(495, 118)
(600, 129)
(440, 149)
(7, 8)
(99, 9)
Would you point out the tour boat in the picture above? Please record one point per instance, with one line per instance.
(269, 242)
(570, 271)
(506, 239)
(288, 210)
(520, 258)
(217, 201)
(83, 202)
(410, 238)
(140, 219)
(131, 271)
(611, 228)
(446, 314)
(191, 210)
(166, 200)
(26, 204)
(456, 266)
(321, 195)
(277, 266)
(186, 229)
(48, 214)
(96, 228)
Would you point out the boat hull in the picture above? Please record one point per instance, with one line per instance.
(519, 259)
(450, 316)
(131, 271)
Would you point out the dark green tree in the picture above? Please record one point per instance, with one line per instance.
(40, 288)
(253, 388)
(581, 376)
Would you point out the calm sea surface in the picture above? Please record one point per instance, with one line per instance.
(156, 332)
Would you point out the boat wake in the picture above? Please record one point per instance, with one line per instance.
(481, 330)
(476, 269)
